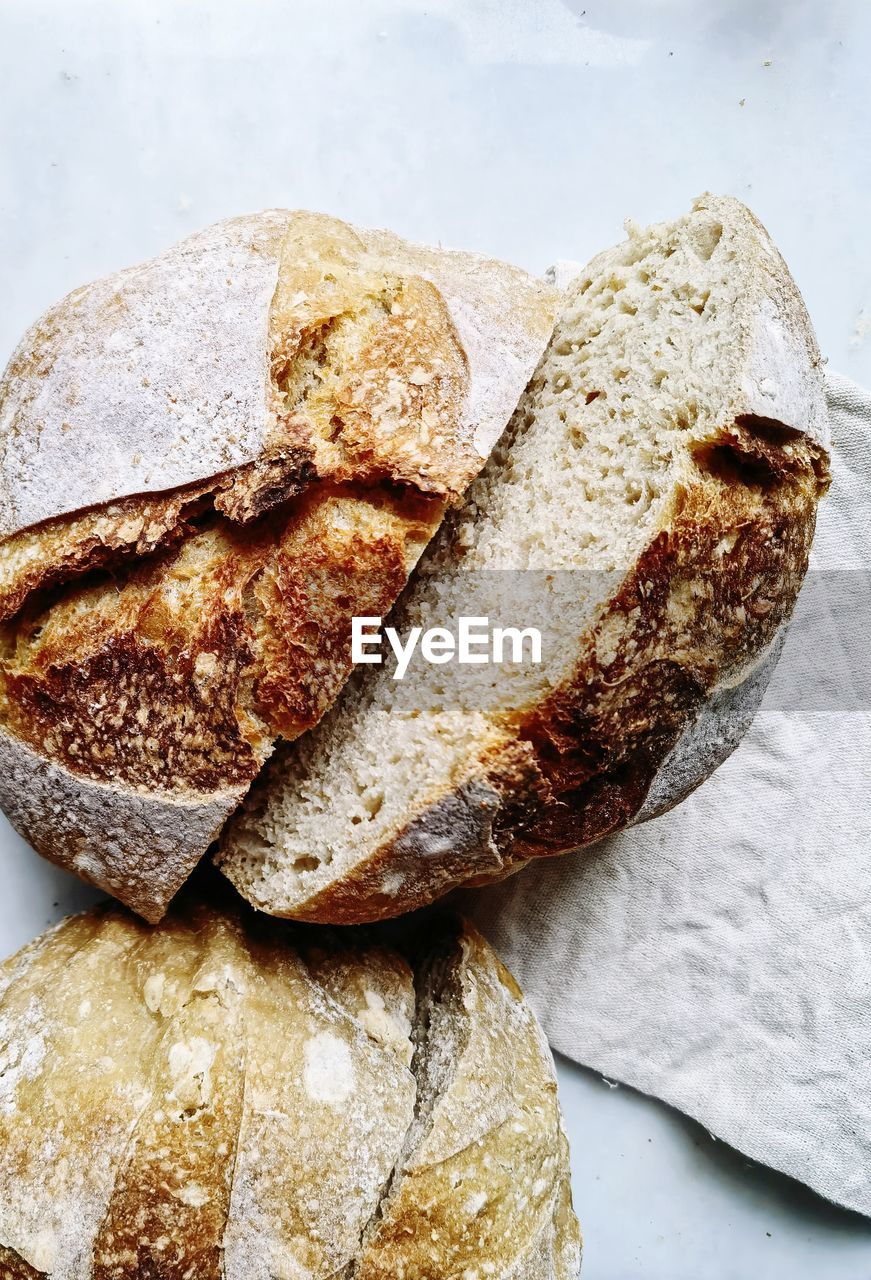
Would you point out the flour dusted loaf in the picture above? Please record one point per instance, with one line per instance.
(651, 508)
(208, 1099)
(208, 463)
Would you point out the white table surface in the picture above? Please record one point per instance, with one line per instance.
(528, 130)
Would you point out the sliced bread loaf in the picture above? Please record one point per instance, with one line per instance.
(207, 463)
(652, 506)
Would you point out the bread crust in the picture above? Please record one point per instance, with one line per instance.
(158, 377)
(248, 1109)
(255, 434)
(670, 674)
(494, 1134)
(90, 828)
(602, 742)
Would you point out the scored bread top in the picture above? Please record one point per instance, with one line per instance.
(168, 373)
(216, 1099)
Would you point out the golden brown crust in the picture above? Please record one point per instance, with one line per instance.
(482, 1183)
(177, 675)
(707, 597)
(171, 1193)
(12, 1267)
(370, 378)
(217, 1100)
(64, 549)
(347, 552)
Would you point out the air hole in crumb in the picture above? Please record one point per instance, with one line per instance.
(374, 804)
(731, 464)
(706, 238)
(592, 395)
(306, 862)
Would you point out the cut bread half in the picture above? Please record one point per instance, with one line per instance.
(208, 464)
(651, 508)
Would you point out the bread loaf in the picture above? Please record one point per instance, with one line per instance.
(208, 463)
(208, 1099)
(654, 498)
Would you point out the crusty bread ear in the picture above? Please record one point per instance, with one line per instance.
(237, 1101)
(650, 509)
(241, 444)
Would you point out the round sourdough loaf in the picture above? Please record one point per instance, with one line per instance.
(208, 463)
(205, 1098)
